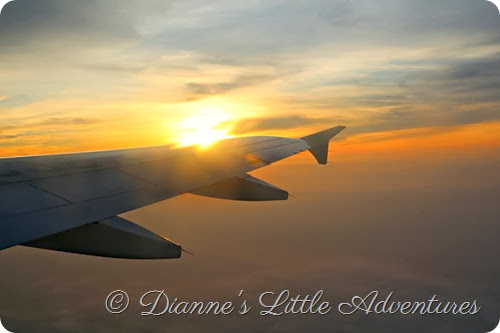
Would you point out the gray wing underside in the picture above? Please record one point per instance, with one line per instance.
(62, 202)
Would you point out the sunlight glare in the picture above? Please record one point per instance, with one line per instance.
(203, 129)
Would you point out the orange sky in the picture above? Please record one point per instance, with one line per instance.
(453, 139)
(448, 140)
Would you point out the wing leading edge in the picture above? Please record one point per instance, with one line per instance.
(70, 202)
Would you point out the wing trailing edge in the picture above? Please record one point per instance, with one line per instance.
(244, 189)
(114, 238)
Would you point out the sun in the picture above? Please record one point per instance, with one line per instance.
(203, 129)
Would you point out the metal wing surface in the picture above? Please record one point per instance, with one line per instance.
(70, 202)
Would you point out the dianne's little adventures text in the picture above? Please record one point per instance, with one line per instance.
(284, 302)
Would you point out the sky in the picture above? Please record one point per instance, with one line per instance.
(407, 204)
(78, 76)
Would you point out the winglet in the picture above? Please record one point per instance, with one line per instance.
(319, 143)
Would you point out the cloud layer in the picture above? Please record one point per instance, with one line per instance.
(393, 64)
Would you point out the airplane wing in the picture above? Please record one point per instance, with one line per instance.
(70, 202)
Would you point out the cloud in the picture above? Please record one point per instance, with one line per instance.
(252, 125)
(468, 80)
(22, 99)
(203, 89)
(36, 128)
(67, 121)
(123, 67)
(46, 25)
(48, 135)
(372, 66)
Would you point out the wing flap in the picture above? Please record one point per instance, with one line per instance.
(244, 189)
(114, 238)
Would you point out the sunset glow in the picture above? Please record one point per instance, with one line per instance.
(203, 129)
(125, 86)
